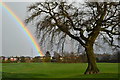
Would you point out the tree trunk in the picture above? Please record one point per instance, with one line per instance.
(92, 67)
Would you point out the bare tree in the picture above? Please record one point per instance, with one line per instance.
(81, 22)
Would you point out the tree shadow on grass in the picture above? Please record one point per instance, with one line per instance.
(100, 75)
(23, 75)
(34, 76)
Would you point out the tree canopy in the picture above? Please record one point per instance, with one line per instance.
(78, 22)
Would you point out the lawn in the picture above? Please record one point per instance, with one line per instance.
(56, 70)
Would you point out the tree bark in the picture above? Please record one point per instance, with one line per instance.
(92, 67)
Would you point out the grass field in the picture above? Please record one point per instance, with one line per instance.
(56, 70)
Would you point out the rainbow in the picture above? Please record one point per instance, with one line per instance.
(22, 25)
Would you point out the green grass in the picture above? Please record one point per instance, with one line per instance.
(57, 70)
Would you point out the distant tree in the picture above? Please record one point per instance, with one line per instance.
(83, 24)
(105, 57)
(3, 59)
(18, 59)
(37, 59)
(73, 57)
(65, 58)
(8, 60)
(57, 57)
(53, 59)
(83, 57)
(115, 57)
(22, 59)
(47, 57)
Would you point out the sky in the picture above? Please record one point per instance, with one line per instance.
(13, 41)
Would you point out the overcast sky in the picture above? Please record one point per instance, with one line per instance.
(13, 40)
